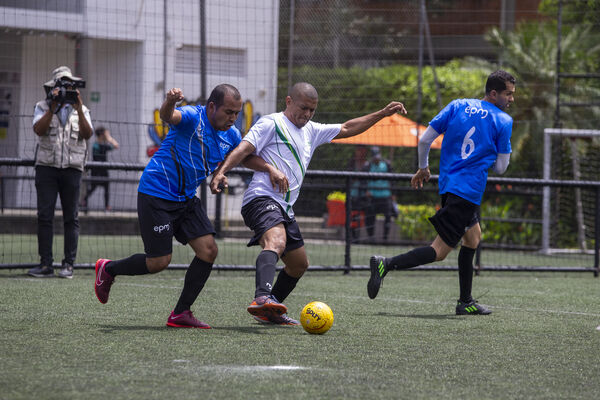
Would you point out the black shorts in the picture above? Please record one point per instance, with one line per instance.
(455, 217)
(263, 213)
(162, 219)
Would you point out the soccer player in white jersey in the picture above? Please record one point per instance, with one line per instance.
(476, 138)
(287, 140)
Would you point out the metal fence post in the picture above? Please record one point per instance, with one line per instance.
(348, 226)
(478, 259)
(597, 235)
(546, 196)
(218, 208)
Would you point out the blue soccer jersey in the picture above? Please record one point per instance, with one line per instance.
(475, 131)
(191, 151)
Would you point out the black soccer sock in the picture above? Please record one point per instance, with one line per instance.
(133, 265)
(414, 258)
(266, 263)
(465, 272)
(284, 286)
(196, 276)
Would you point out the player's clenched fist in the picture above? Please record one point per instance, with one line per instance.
(174, 95)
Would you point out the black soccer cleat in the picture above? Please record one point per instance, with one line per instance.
(471, 308)
(378, 267)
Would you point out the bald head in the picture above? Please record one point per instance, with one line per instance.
(303, 89)
(301, 103)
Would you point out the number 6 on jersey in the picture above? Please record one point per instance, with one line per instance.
(467, 143)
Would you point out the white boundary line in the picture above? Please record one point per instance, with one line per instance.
(245, 369)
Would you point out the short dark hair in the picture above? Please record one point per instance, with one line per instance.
(100, 130)
(497, 81)
(217, 96)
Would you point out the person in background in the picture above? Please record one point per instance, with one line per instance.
(358, 191)
(104, 143)
(476, 138)
(63, 126)
(379, 195)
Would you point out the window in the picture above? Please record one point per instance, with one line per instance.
(68, 6)
(219, 61)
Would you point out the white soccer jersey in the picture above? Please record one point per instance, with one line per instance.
(280, 143)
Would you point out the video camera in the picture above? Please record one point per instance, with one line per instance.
(64, 95)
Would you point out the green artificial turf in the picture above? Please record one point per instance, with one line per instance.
(17, 249)
(541, 342)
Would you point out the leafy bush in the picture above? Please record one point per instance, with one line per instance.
(413, 223)
(496, 231)
(337, 196)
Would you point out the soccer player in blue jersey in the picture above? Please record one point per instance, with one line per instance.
(476, 138)
(287, 140)
(199, 138)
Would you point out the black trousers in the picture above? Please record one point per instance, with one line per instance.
(379, 205)
(51, 182)
(94, 184)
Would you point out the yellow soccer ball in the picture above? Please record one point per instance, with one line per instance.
(316, 317)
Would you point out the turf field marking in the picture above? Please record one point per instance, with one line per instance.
(255, 368)
(245, 369)
(33, 279)
(150, 285)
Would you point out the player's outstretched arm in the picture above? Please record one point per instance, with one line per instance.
(168, 113)
(219, 180)
(358, 125)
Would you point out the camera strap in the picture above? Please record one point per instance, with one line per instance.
(60, 106)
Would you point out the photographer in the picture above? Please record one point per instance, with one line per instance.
(63, 125)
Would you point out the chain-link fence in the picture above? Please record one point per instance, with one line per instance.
(359, 55)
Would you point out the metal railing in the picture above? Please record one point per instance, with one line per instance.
(348, 178)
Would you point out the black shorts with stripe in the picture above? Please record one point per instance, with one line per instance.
(262, 214)
(162, 219)
(455, 217)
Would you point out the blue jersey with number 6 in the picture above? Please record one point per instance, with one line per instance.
(475, 131)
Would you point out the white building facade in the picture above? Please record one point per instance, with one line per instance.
(130, 53)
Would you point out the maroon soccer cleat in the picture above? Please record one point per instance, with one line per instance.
(185, 320)
(103, 281)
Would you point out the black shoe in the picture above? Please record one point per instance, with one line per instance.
(471, 308)
(41, 271)
(66, 271)
(378, 267)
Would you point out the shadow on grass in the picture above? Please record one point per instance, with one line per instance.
(258, 329)
(23, 275)
(116, 328)
(420, 316)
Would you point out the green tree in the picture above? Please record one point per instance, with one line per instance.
(574, 12)
(347, 93)
(530, 53)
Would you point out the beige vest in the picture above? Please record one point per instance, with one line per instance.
(61, 146)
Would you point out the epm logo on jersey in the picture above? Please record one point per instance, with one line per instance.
(224, 146)
(476, 111)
